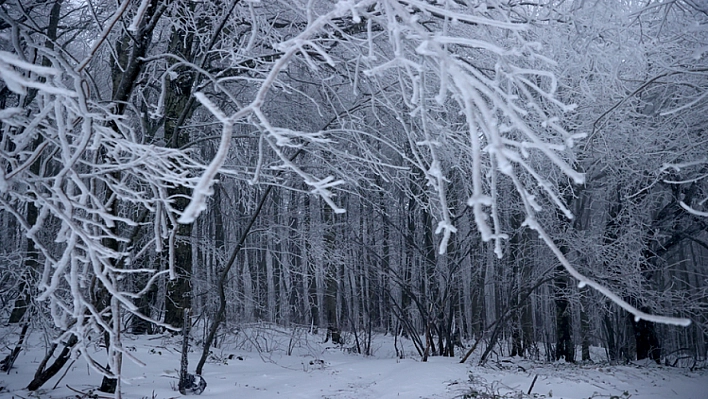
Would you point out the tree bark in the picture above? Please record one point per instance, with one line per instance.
(177, 101)
(565, 349)
(647, 340)
(184, 362)
(44, 375)
(6, 364)
(585, 325)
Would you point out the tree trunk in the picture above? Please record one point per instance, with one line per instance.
(44, 375)
(585, 325)
(184, 362)
(611, 340)
(565, 348)
(6, 364)
(223, 277)
(647, 341)
(31, 261)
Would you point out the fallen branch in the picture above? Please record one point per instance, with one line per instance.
(532, 384)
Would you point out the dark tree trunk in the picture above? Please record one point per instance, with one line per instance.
(145, 303)
(516, 346)
(564, 342)
(331, 283)
(178, 107)
(6, 364)
(585, 325)
(44, 375)
(647, 340)
(184, 361)
(108, 385)
(102, 301)
(31, 261)
(179, 290)
(612, 349)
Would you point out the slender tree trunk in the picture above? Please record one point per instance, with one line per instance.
(585, 324)
(223, 277)
(611, 340)
(565, 349)
(184, 361)
(44, 375)
(6, 364)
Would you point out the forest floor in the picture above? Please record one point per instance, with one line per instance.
(254, 363)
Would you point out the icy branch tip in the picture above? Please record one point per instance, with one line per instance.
(193, 210)
(219, 114)
(665, 320)
(198, 202)
(578, 178)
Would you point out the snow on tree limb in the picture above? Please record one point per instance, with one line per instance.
(288, 48)
(583, 281)
(203, 189)
(461, 98)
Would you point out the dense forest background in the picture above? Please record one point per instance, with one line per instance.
(521, 176)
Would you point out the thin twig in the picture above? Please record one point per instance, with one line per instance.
(63, 375)
(104, 35)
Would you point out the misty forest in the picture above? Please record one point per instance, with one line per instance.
(480, 179)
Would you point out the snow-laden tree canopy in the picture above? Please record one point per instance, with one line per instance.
(107, 108)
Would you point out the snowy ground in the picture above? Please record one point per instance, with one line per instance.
(324, 371)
